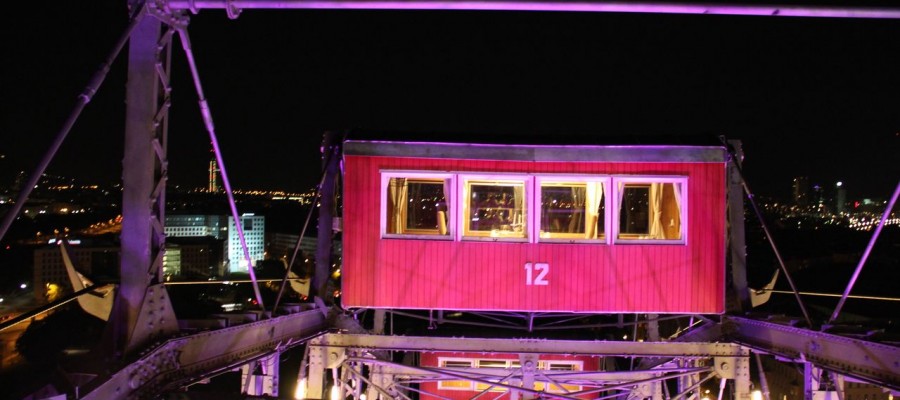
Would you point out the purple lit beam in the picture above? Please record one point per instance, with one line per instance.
(233, 6)
(865, 256)
(210, 128)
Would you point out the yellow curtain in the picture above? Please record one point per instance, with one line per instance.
(398, 196)
(593, 197)
(656, 227)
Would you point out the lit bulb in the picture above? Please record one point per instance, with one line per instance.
(335, 393)
(300, 392)
(756, 395)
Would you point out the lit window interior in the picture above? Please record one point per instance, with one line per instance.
(650, 210)
(417, 206)
(495, 209)
(572, 210)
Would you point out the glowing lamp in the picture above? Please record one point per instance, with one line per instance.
(300, 391)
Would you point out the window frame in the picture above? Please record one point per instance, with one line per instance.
(458, 205)
(462, 187)
(540, 179)
(619, 191)
(441, 364)
(387, 175)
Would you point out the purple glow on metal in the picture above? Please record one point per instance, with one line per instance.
(562, 6)
(534, 146)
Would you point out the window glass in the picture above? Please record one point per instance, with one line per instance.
(572, 210)
(417, 206)
(455, 384)
(650, 210)
(495, 208)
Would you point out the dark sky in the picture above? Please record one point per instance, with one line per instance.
(816, 97)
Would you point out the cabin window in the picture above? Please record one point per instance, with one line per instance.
(416, 205)
(495, 208)
(572, 209)
(457, 384)
(651, 209)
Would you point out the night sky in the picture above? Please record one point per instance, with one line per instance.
(815, 97)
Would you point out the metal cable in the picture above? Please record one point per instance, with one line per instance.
(210, 128)
(85, 97)
(762, 222)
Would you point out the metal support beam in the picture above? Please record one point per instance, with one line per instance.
(142, 310)
(330, 158)
(260, 377)
(542, 346)
(179, 362)
(871, 362)
(739, 296)
(233, 7)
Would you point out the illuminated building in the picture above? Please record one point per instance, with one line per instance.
(213, 186)
(840, 198)
(254, 227)
(800, 191)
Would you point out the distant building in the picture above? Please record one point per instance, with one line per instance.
(818, 199)
(195, 257)
(254, 228)
(197, 225)
(800, 191)
(223, 228)
(213, 186)
(171, 261)
(50, 276)
(840, 198)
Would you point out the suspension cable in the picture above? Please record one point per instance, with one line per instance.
(83, 99)
(316, 194)
(210, 128)
(865, 256)
(765, 228)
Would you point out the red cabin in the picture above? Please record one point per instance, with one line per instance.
(586, 229)
(498, 368)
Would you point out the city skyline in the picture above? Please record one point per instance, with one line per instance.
(807, 97)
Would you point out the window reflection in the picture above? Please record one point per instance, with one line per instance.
(417, 206)
(495, 209)
(650, 211)
(573, 210)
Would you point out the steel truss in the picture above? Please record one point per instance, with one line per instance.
(360, 363)
(688, 365)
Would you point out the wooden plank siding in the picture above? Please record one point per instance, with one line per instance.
(587, 277)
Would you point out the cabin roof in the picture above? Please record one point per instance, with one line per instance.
(543, 152)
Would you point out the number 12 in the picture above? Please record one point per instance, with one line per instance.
(540, 280)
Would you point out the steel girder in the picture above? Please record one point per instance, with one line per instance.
(178, 362)
(876, 363)
(348, 352)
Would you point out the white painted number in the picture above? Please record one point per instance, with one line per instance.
(541, 269)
